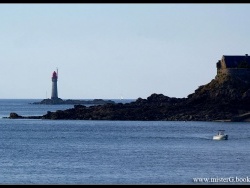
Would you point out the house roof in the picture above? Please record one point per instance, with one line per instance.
(233, 61)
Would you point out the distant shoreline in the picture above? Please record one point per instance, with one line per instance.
(59, 101)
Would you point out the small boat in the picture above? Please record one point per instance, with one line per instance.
(220, 135)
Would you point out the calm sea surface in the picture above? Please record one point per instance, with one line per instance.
(118, 152)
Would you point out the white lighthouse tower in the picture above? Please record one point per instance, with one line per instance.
(54, 94)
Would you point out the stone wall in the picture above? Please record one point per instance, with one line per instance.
(233, 72)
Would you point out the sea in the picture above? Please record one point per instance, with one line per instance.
(90, 152)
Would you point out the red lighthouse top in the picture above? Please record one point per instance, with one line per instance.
(54, 75)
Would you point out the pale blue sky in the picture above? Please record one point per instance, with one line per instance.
(112, 50)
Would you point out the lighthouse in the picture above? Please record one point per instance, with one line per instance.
(54, 94)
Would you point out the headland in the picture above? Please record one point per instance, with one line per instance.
(225, 98)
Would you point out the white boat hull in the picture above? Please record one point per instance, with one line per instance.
(220, 137)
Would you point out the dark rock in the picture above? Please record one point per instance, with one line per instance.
(14, 116)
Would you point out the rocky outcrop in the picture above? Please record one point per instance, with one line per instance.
(59, 101)
(14, 115)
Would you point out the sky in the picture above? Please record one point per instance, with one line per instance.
(109, 51)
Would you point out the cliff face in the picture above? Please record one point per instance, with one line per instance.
(226, 95)
(224, 90)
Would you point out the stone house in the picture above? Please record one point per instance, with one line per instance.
(231, 65)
